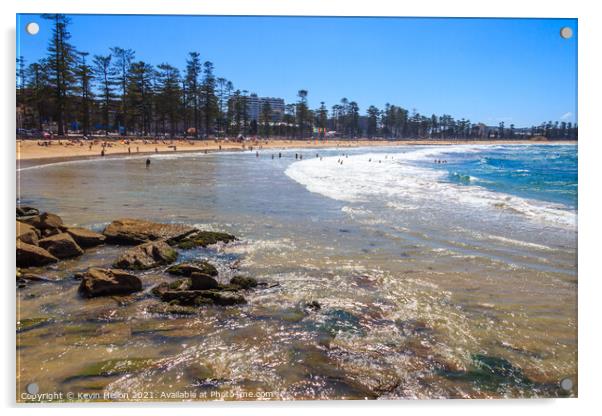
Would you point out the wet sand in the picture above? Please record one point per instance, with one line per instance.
(59, 149)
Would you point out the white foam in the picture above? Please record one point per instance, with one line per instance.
(520, 243)
(405, 186)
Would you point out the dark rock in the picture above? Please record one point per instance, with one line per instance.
(61, 246)
(85, 238)
(202, 297)
(78, 275)
(314, 305)
(133, 231)
(25, 211)
(27, 233)
(29, 255)
(180, 284)
(187, 269)
(106, 282)
(221, 298)
(45, 221)
(243, 282)
(201, 281)
(146, 256)
(204, 239)
(47, 232)
(160, 289)
(180, 297)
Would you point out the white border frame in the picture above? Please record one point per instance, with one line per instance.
(590, 152)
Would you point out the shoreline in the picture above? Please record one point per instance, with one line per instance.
(31, 151)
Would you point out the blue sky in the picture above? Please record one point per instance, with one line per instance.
(519, 71)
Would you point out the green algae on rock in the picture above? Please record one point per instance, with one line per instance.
(187, 269)
(204, 239)
(31, 323)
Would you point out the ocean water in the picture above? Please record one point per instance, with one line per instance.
(421, 269)
(538, 181)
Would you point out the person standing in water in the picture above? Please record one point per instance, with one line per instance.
(147, 162)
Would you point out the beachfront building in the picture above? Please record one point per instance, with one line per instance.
(254, 105)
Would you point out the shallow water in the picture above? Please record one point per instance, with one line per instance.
(419, 275)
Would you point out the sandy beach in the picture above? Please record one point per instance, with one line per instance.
(70, 148)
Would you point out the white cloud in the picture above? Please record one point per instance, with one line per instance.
(566, 116)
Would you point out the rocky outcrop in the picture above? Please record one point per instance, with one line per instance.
(187, 269)
(146, 256)
(202, 297)
(200, 281)
(27, 233)
(32, 277)
(105, 282)
(25, 211)
(204, 239)
(243, 282)
(47, 223)
(85, 238)
(29, 255)
(61, 245)
(133, 231)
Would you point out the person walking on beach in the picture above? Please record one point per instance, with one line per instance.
(279, 155)
(147, 162)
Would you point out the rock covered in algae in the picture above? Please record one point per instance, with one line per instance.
(204, 239)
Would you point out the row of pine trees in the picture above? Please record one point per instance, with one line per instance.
(116, 92)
